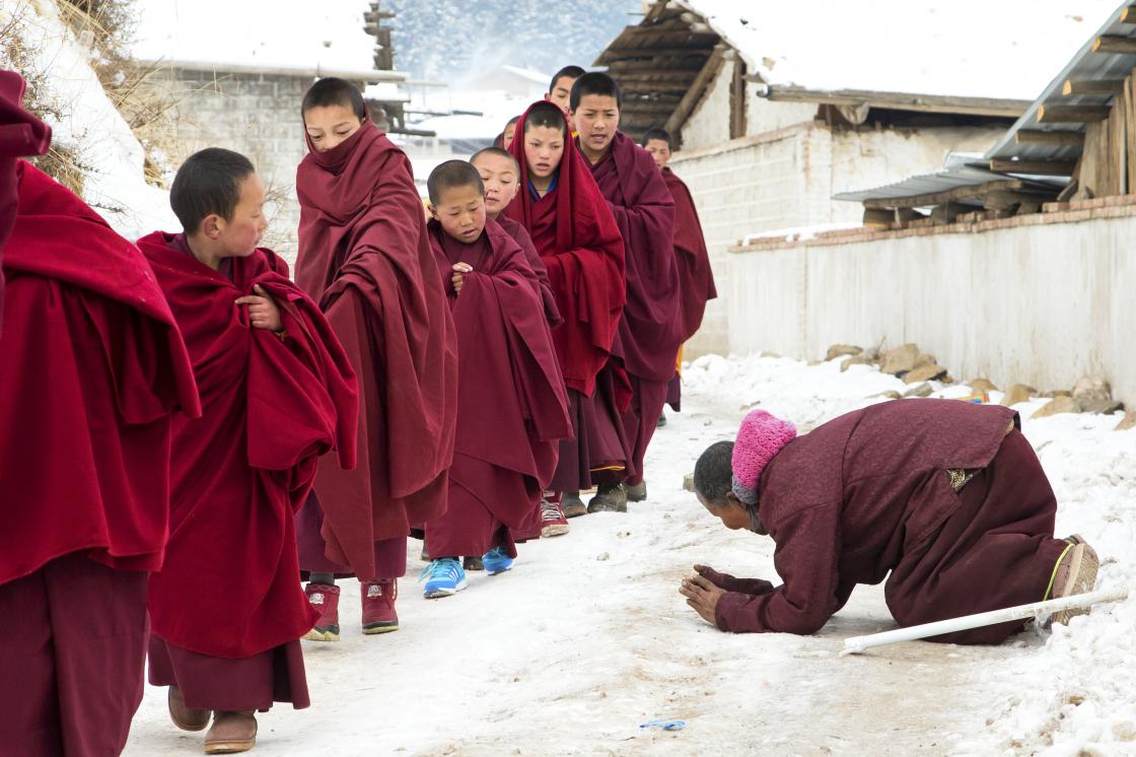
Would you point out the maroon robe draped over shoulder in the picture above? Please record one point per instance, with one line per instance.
(522, 237)
(869, 493)
(272, 406)
(365, 257)
(575, 233)
(512, 402)
(650, 332)
(21, 134)
(92, 372)
(696, 278)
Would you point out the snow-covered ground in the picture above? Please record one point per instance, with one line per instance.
(587, 637)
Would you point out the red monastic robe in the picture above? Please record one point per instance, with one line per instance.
(272, 406)
(512, 405)
(522, 237)
(365, 257)
(696, 278)
(867, 497)
(92, 372)
(21, 133)
(651, 330)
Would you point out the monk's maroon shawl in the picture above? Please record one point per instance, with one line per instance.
(512, 403)
(575, 233)
(844, 502)
(21, 133)
(696, 278)
(271, 407)
(650, 332)
(544, 287)
(365, 257)
(92, 372)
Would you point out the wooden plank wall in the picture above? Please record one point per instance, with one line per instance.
(1108, 163)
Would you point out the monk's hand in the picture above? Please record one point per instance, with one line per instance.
(460, 270)
(702, 596)
(721, 580)
(262, 310)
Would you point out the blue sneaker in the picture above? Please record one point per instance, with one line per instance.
(496, 561)
(444, 577)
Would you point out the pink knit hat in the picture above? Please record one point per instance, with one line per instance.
(760, 437)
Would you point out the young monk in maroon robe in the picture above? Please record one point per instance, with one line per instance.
(365, 257)
(512, 406)
(651, 330)
(277, 392)
(93, 372)
(21, 134)
(696, 278)
(947, 496)
(575, 234)
(560, 92)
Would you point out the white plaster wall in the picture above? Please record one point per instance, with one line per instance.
(709, 123)
(764, 115)
(1037, 304)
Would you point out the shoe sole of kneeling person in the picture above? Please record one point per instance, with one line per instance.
(1081, 578)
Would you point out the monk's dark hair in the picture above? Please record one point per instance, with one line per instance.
(510, 122)
(498, 151)
(334, 91)
(546, 114)
(656, 133)
(208, 182)
(595, 83)
(451, 174)
(714, 472)
(572, 72)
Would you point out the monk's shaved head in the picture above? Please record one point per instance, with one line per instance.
(714, 473)
(595, 83)
(208, 183)
(332, 91)
(546, 114)
(497, 151)
(451, 174)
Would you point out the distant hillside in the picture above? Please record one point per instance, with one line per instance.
(447, 38)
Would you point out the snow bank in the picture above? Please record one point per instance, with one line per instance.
(283, 34)
(970, 48)
(91, 125)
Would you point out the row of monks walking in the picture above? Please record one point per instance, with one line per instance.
(194, 447)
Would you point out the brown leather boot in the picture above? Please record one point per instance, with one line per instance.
(185, 718)
(1075, 573)
(232, 732)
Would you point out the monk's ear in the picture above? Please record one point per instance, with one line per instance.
(432, 210)
(733, 501)
(212, 226)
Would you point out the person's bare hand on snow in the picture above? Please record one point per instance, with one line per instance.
(730, 583)
(703, 596)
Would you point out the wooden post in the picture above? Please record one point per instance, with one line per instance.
(1035, 167)
(1072, 114)
(1059, 138)
(1113, 43)
(1109, 87)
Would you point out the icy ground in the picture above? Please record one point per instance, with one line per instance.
(587, 637)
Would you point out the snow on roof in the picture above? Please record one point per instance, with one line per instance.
(1002, 49)
(285, 34)
(528, 73)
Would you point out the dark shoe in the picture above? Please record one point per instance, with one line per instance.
(609, 499)
(185, 718)
(637, 492)
(325, 599)
(662, 420)
(232, 732)
(378, 599)
(472, 563)
(572, 505)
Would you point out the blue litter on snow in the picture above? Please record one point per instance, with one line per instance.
(666, 725)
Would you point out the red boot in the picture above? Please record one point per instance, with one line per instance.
(325, 599)
(378, 599)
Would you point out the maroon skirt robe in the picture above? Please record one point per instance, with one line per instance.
(651, 329)
(512, 406)
(869, 494)
(93, 373)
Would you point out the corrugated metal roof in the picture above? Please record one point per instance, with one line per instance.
(1085, 65)
(956, 175)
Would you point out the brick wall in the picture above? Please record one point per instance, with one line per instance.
(257, 115)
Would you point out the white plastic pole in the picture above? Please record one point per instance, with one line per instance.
(858, 644)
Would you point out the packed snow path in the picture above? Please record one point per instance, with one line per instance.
(587, 637)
